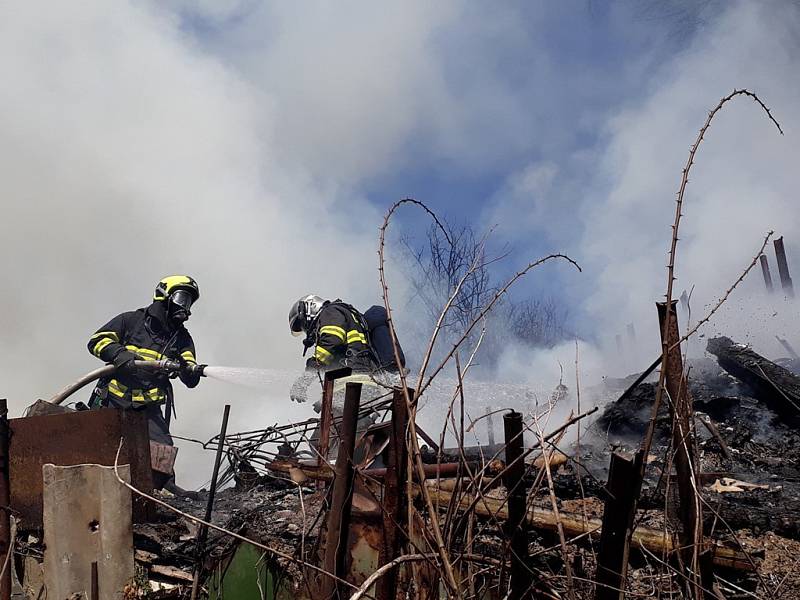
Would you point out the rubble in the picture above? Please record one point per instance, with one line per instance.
(749, 463)
(774, 385)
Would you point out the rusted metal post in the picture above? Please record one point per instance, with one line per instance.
(95, 582)
(783, 267)
(5, 501)
(682, 414)
(338, 524)
(517, 524)
(622, 491)
(490, 425)
(766, 273)
(203, 532)
(326, 410)
(394, 494)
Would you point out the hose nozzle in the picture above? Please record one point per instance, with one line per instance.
(171, 367)
(198, 370)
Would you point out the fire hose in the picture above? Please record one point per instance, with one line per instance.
(165, 365)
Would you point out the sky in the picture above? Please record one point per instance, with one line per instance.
(257, 145)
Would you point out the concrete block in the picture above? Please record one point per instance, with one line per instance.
(87, 519)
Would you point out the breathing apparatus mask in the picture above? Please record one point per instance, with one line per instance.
(179, 306)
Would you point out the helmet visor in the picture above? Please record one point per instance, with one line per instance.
(182, 298)
(296, 324)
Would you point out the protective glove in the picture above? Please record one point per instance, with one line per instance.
(124, 362)
(186, 367)
(299, 391)
(190, 372)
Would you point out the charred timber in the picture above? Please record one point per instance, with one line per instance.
(325, 472)
(777, 387)
(574, 525)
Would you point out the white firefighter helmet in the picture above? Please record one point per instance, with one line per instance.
(303, 313)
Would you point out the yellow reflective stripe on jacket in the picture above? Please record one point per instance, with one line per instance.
(356, 336)
(107, 334)
(116, 388)
(322, 355)
(98, 347)
(333, 330)
(145, 353)
(141, 396)
(188, 356)
(153, 395)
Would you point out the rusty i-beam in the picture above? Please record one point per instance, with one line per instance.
(517, 524)
(682, 448)
(326, 410)
(394, 494)
(622, 489)
(338, 523)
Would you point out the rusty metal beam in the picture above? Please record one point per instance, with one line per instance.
(395, 495)
(620, 506)
(82, 437)
(202, 534)
(516, 525)
(783, 267)
(682, 413)
(326, 410)
(338, 522)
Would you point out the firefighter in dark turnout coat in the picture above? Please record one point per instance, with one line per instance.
(150, 333)
(339, 335)
(337, 331)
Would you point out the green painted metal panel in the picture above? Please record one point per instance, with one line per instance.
(240, 577)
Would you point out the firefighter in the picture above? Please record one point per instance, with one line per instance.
(150, 334)
(337, 331)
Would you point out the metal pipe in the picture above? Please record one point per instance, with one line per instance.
(149, 365)
(342, 497)
(5, 502)
(203, 533)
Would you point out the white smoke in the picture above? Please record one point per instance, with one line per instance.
(744, 183)
(129, 154)
(234, 141)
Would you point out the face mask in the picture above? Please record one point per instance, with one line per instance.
(180, 304)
